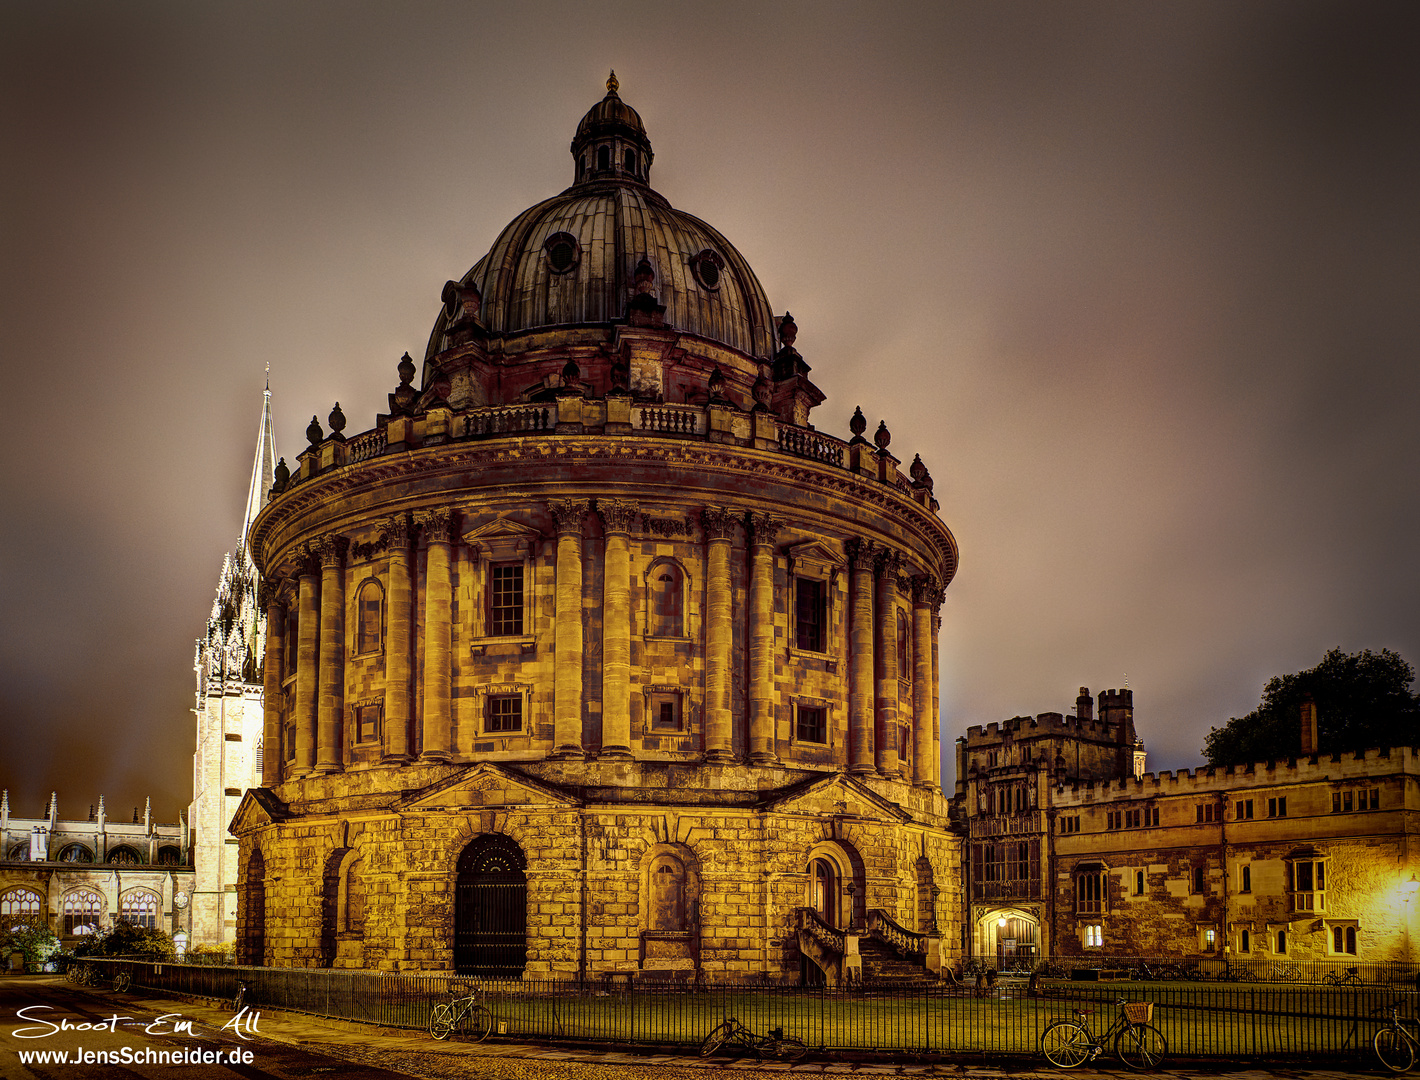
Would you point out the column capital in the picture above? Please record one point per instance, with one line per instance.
(889, 561)
(926, 589)
(331, 550)
(862, 554)
(398, 532)
(438, 526)
(305, 562)
(763, 528)
(718, 522)
(568, 515)
(269, 595)
(617, 514)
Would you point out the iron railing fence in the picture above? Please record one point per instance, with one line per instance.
(1338, 971)
(1274, 1020)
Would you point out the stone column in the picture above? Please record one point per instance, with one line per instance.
(399, 635)
(719, 525)
(616, 627)
(762, 744)
(437, 527)
(885, 658)
(924, 588)
(307, 658)
(272, 755)
(937, 691)
(332, 653)
(567, 637)
(862, 554)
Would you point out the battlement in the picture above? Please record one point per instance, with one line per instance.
(1026, 727)
(1327, 768)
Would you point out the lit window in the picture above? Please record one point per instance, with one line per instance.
(19, 903)
(1094, 936)
(76, 853)
(505, 599)
(505, 712)
(1307, 883)
(811, 615)
(140, 909)
(124, 856)
(1210, 938)
(83, 912)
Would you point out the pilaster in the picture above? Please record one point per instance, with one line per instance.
(862, 555)
(438, 529)
(924, 589)
(719, 525)
(885, 662)
(331, 550)
(271, 704)
(764, 530)
(617, 517)
(307, 659)
(399, 635)
(567, 658)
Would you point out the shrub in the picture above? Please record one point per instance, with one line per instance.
(126, 939)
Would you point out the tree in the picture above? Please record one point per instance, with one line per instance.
(28, 936)
(1362, 700)
(126, 939)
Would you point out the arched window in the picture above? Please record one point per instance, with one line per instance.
(823, 890)
(352, 899)
(140, 908)
(603, 158)
(83, 911)
(631, 162)
(124, 856)
(667, 601)
(19, 903)
(19, 852)
(369, 605)
(169, 856)
(667, 894)
(902, 645)
(76, 853)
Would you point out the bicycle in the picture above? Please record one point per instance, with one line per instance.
(464, 1014)
(122, 982)
(1068, 1044)
(239, 1000)
(1394, 1044)
(83, 974)
(774, 1045)
(1351, 977)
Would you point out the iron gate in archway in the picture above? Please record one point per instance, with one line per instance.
(491, 909)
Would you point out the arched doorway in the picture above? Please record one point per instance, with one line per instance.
(823, 889)
(1009, 939)
(251, 946)
(491, 909)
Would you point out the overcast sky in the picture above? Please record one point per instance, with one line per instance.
(1139, 281)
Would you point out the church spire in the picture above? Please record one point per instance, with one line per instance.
(263, 471)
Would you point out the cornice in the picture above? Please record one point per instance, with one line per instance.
(460, 461)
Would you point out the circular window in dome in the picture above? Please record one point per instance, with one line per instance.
(561, 249)
(707, 267)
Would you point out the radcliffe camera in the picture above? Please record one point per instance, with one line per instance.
(588, 679)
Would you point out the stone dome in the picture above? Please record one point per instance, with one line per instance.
(572, 260)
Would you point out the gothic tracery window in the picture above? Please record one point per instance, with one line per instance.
(82, 911)
(140, 908)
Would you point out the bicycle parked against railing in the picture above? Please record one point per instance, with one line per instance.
(1394, 1044)
(730, 1032)
(83, 974)
(1068, 1044)
(239, 999)
(465, 1014)
(122, 981)
(1351, 977)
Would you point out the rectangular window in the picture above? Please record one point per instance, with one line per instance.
(902, 645)
(1343, 940)
(812, 724)
(811, 614)
(505, 711)
(1245, 879)
(1368, 799)
(1207, 812)
(367, 635)
(1244, 810)
(1277, 807)
(1281, 943)
(1210, 939)
(505, 599)
(1090, 893)
(1341, 802)
(1116, 820)
(367, 723)
(1069, 824)
(1151, 816)
(1307, 881)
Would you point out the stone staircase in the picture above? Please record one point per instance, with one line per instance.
(882, 964)
(886, 954)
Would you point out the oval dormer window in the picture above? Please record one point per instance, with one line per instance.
(561, 251)
(707, 267)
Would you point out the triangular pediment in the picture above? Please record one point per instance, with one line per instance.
(836, 795)
(485, 784)
(815, 551)
(259, 808)
(503, 538)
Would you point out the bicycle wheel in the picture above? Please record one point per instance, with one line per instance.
(1065, 1044)
(1394, 1049)
(440, 1022)
(480, 1022)
(791, 1049)
(1141, 1047)
(121, 982)
(716, 1039)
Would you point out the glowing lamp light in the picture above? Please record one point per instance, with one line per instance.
(1001, 922)
(1409, 887)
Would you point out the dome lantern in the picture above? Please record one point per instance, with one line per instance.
(611, 142)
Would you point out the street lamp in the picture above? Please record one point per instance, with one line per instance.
(852, 907)
(936, 892)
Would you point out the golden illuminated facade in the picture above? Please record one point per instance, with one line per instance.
(593, 656)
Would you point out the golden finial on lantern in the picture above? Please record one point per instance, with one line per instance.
(612, 86)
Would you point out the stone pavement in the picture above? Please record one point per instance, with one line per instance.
(335, 1036)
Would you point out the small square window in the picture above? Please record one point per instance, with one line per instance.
(812, 724)
(1277, 807)
(367, 723)
(505, 712)
(665, 712)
